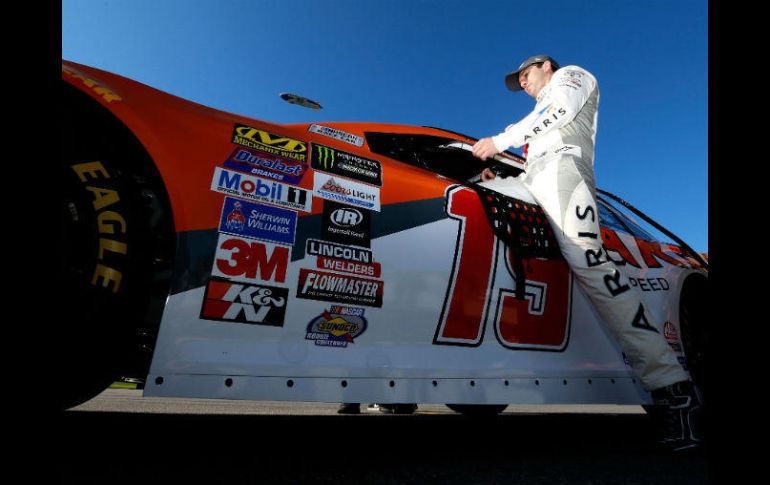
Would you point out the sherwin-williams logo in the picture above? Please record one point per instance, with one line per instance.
(337, 327)
(346, 164)
(269, 142)
(258, 221)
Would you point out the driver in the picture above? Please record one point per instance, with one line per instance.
(561, 133)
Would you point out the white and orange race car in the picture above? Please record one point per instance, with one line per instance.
(219, 256)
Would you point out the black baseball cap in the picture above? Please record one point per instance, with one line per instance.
(512, 79)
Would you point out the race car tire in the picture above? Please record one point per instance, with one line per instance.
(103, 258)
(478, 410)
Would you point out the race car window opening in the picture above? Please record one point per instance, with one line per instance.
(629, 226)
(434, 153)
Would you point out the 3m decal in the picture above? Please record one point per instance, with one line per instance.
(320, 285)
(260, 190)
(111, 225)
(315, 247)
(541, 322)
(105, 93)
(346, 225)
(258, 221)
(373, 270)
(346, 191)
(337, 326)
(249, 260)
(337, 134)
(226, 301)
(346, 164)
(269, 142)
(266, 165)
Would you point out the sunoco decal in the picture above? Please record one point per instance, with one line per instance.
(337, 134)
(320, 285)
(346, 191)
(315, 247)
(346, 164)
(337, 327)
(226, 301)
(260, 190)
(258, 221)
(250, 261)
(268, 142)
(346, 225)
(263, 164)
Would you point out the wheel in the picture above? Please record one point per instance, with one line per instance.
(478, 410)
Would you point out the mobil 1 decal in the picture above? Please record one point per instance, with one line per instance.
(263, 164)
(260, 190)
(337, 326)
(228, 301)
(314, 284)
(258, 221)
(344, 164)
(346, 224)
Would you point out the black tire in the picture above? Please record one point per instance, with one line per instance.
(478, 410)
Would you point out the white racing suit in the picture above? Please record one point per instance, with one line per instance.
(561, 132)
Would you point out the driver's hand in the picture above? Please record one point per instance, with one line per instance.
(484, 149)
(487, 175)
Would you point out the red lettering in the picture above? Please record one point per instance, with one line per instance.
(652, 252)
(612, 242)
(246, 259)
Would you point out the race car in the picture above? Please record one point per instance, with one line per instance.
(219, 256)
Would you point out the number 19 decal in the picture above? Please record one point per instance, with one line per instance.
(540, 322)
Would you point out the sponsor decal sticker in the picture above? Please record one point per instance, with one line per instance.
(315, 247)
(346, 225)
(105, 93)
(337, 326)
(260, 190)
(258, 221)
(320, 285)
(266, 165)
(227, 301)
(268, 142)
(346, 191)
(669, 331)
(373, 270)
(346, 164)
(337, 134)
(250, 261)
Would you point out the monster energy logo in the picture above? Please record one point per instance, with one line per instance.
(325, 158)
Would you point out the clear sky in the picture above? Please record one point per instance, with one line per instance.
(436, 63)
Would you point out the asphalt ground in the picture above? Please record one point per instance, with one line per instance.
(120, 437)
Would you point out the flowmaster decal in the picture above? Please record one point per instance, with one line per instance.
(346, 191)
(260, 190)
(226, 301)
(346, 164)
(337, 327)
(320, 285)
(258, 221)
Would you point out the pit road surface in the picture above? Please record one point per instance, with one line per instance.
(120, 437)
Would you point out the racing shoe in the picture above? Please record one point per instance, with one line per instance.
(678, 415)
(349, 408)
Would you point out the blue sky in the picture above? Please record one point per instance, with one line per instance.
(436, 63)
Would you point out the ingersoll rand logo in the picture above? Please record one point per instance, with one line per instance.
(346, 217)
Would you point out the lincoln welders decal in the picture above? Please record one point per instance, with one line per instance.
(260, 190)
(346, 164)
(270, 143)
(266, 165)
(346, 191)
(227, 301)
(337, 327)
(258, 221)
(337, 251)
(320, 285)
(337, 134)
(346, 225)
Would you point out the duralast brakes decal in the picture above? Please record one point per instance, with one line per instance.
(346, 225)
(262, 164)
(346, 191)
(111, 225)
(337, 326)
(337, 134)
(250, 261)
(320, 285)
(228, 301)
(346, 164)
(268, 142)
(105, 93)
(315, 247)
(258, 221)
(260, 190)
